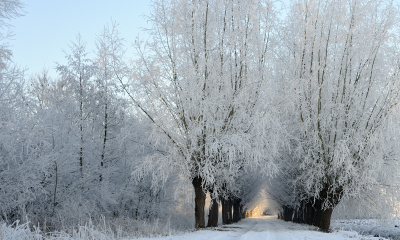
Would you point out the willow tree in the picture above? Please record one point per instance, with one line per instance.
(202, 80)
(344, 69)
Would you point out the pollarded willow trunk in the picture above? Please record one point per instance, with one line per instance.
(226, 211)
(312, 212)
(199, 202)
(308, 213)
(322, 219)
(287, 214)
(224, 214)
(236, 217)
(305, 213)
(213, 214)
(322, 215)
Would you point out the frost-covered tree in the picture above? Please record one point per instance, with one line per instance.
(108, 48)
(342, 60)
(77, 75)
(14, 135)
(9, 9)
(202, 81)
(69, 144)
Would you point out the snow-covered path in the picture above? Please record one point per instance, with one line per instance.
(266, 228)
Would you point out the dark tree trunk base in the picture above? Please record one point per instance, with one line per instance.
(322, 219)
(236, 210)
(312, 211)
(213, 214)
(199, 202)
(226, 211)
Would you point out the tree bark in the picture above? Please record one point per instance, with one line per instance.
(213, 214)
(236, 210)
(322, 219)
(226, 211)
(229, 210)
(224, 214)
(287, 214)
(199, 202)
(55, 189)
(103, 151)
(81, 125)
(242, 212)
(308, 213)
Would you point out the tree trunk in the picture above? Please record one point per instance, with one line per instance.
(242, 212)
(226, 211)
(236, 210)
(297, 216)
(55, 189)
(308, 213)
(213, 214)
(229, 201)
(311, 212)
(287, 214)
(81, 125)
(199, 202)
(103, 151)
(322, 219)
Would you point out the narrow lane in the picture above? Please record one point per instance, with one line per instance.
(266, 228)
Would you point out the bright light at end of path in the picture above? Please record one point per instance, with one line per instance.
(255, 212)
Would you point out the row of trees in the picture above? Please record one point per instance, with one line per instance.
(344, 59)
(201, 81)
(229, 96)
(218, 77)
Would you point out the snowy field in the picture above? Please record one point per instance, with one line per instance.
(388, 228)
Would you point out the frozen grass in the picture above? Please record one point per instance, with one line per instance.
(19, 231)
(119, 230)
(388, 228)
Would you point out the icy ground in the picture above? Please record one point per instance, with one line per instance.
(266, 228)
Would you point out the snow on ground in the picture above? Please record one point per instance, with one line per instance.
(388, 228)
(267, 228)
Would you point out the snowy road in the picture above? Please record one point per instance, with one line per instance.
(266, 228)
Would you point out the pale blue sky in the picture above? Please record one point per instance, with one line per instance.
(50, 25)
